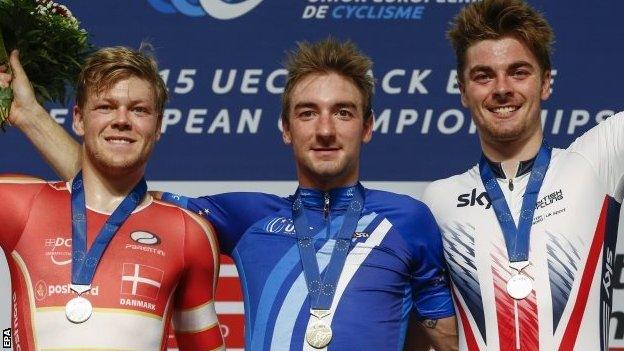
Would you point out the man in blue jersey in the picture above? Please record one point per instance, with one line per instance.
(335, 266)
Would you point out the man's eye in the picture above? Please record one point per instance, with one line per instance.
(344, 113)
(306, 114)
(521, 73)
(481, 78)
(140, 110)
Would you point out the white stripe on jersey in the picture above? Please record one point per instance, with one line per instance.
(196, 319)
(354, 260)
(294, 300)
(56, 332)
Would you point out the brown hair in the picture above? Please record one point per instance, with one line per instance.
(108, 66)
(325, 56)
(494, 19)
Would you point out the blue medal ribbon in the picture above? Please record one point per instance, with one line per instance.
(84, 263)
(322, 289)
(516, 237)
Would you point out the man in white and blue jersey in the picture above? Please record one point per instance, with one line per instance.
(335, 266)
(531, 260)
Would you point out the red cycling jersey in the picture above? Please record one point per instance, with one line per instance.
(162, 265)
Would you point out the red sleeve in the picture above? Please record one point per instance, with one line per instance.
(195, 319)
(16, 197)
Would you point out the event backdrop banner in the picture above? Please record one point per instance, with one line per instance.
(221, 60)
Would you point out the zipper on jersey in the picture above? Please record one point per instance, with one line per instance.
(511, 186)
(326, 204)
(326, 207)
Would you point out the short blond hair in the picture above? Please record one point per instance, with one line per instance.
(327, 56)
(107, 66)
(494, 19)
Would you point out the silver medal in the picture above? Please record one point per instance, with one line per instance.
(519, 286)
(318, 334)
(78, 310)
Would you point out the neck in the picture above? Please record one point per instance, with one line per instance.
(327, 184)
(104, 192)
(511, 153)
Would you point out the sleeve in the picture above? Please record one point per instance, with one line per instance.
(430, 282)
(230, 213)
(17, 194)
(194, 318)
(603, 147)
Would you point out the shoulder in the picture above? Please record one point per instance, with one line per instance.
(176, 212)
(195, 226)
(11, 178)
(405, 213)
(443, 187)
(386, 201)
(25, 186)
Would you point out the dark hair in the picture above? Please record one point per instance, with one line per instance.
(325, 56)
(494, 19)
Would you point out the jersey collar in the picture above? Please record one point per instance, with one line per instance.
(524, 168)
(339, 198)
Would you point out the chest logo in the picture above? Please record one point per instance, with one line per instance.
(279, 225)
(474, 199)
(145, 238)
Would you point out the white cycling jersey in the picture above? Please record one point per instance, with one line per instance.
(571, 254)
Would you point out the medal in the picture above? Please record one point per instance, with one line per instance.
(78, 310)
(519, 286)
(318, 334)
(321, 289)
(85, 262)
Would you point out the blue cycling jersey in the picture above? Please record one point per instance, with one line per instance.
(394, 267)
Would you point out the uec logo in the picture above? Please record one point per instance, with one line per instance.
(220, 9)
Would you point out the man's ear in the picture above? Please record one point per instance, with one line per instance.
(367, 133)
(78, 121)
(546, 86)
(462, 92)
(286, 137)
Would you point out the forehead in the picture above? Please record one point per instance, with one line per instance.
(325, 88)
(130, 88)
(499, 53)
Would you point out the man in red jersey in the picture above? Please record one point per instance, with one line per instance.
(97, 262)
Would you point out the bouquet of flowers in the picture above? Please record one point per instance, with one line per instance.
(52, 48)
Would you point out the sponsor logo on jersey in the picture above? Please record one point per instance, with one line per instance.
(472, 199)
(6, 338)
(145, 238)
(141, 280)
(147, 249)
(549, 199)
(16, 334)
(360, 235)
(608, 273)
(280, 225)
(43, 290)
(59, 250)
(219, 9)
(137, 303)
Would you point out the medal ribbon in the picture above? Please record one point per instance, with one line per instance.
(516, 237)
(84, 263)
(322, 289)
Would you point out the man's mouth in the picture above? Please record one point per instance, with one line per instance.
(119, 140)
(503, 111)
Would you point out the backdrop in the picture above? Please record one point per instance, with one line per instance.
(221, 60)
